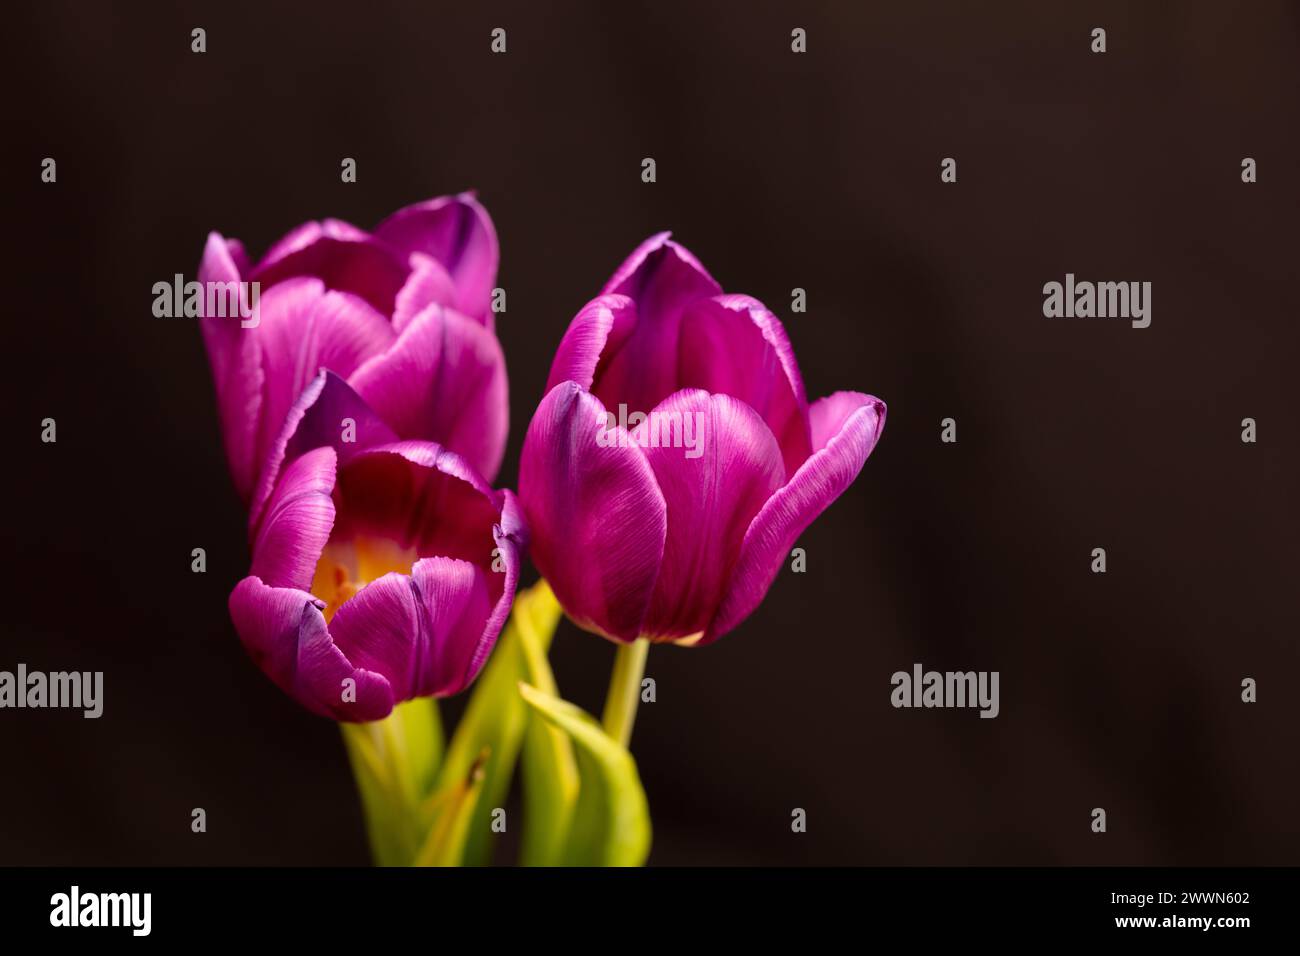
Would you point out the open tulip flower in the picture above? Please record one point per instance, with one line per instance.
(382, 569)
(670, 521)
(401, 313)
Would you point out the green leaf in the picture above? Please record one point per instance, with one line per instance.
(394, 761)
(418, 728)
(372, 785)
(450, 813)
(492, 721)
(495, 719)
(549, 766)
(611, 819)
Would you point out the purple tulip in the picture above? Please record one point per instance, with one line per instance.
(675, 459)
(402, 314)
(382, 569)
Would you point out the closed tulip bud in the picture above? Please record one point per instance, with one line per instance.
(675, 459)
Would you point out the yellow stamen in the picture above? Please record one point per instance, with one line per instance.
(347, 567)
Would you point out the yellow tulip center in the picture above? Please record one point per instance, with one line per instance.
(348, 566)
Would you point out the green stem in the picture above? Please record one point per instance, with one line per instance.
(372, 774)
(390, 736)
(625, 690)
(380, 764)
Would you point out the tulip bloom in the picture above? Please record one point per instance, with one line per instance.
(401, 313)
(382, 569)
(670, 523)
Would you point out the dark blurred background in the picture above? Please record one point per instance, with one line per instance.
(778, 170)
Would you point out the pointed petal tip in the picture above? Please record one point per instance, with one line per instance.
(846, 427)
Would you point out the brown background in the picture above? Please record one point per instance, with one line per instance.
(821, 171)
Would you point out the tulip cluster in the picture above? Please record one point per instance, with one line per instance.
(666, 473)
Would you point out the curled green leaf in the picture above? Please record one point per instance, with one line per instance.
(611, 819)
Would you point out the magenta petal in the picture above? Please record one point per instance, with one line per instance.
(327, 413)
(419, 630)
(732, 344)
(428, 284)
(380, 628)
(285, 312)
(443, 380)
(300, 237)
(456, 231)
(596, 517)
(304, 329)
(713, 487)
(829, 416)
(420, 496)
(511, 537)
(845, 428)
(456, 604)
(599, 330)
(236, 363)
(298, 520)
(659, 270)
(284, 632)
(293, 241)
(235, 249)
(344, 259)
(341, 229)
(431, 632)
(662, 279)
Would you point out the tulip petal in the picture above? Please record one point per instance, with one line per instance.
(662, 278)
(443, 380)
(457, 605)
(304, 329)
(713, 486)
(419, 496)
(511, 537)
(342, 257)
(660, 268)
(428, 633)
(235, 249)
(428, 283)
(456, 231)
(845, 429)
(285, 633)
(300, 237)
(733, 345)
(596, 516)
(417, 633)
(829, 416)
(327, 413)
(600, 328)
(236, 364)
(298, 520)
